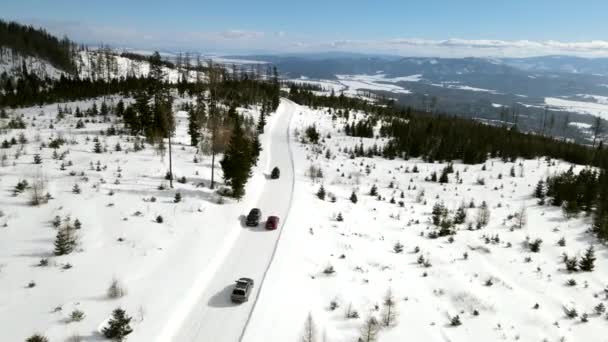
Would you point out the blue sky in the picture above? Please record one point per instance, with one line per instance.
(429, 27)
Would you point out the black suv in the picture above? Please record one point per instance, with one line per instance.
(242, 290)
(253, 219)
(275, 174)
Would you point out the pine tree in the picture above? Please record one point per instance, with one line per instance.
(76, 189)
(353, 197)
(97, 148)
(444, 176)
(117, 148)
(460, 216)
(261, 122)
(118, 327)
(310, 330)
(587, 262)
(37, 159)
(194, 127)
(321, 193)
(339, 218)
(539, 191)
(37, 338)
(237, 161)
(256, 149)
(178, 197)
(64, 241)
(390, 310)
(370, 330)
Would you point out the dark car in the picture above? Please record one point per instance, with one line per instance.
(242, 290)
(272, 222)
(253, 219)
(275, 174)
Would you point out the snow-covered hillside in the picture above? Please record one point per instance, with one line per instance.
(122, 199)
(11, 63)
(92, 64)
(337, 257)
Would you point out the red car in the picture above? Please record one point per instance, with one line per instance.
(272, 222)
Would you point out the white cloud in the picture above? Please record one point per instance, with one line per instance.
(244, 41)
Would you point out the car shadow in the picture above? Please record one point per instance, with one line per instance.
(243, 220)
(222, 298)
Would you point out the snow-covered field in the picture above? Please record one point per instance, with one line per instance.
(161, 266)
(177, 274)
(352, 85)
(599, 108)
(494, 289)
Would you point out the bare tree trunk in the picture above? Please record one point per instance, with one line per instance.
(170, 164)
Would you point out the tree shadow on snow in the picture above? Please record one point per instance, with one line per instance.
(222, 298)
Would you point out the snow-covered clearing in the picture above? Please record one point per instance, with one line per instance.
(353, 85)
(464, 87)
(161, 266)
(582, 107)
(494, 288)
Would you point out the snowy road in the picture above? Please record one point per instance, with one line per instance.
(214, 317)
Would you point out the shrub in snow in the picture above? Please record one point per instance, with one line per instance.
(56, 221)
(455, 321)
(76, 316)
(182, 180)
(339, 218)
(43, 262)
(571, 312)
(116, 290)
(535, 245)
(350, 312)
(561, 242)
(571, 282)
(329, 270)
(178, 197)
(118, 327)
(570, 263)
(373, 191)
(398, 247)
(159, 219)
(31, 284)
(20, 187)
(37, 338)
(585, 318)
(37, 159)
(76, 189)
(333, 305)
